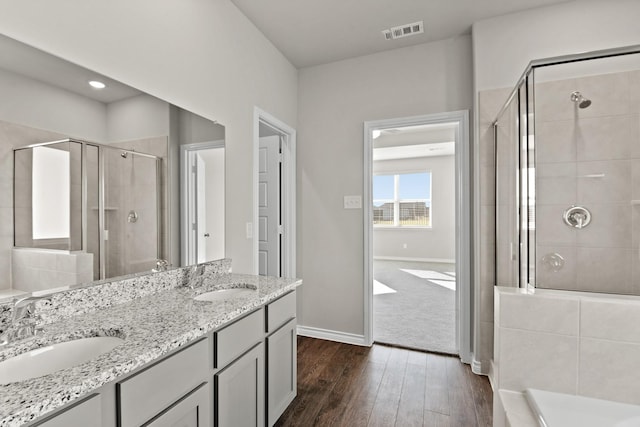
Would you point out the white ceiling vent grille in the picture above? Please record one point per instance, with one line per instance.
(404, 31)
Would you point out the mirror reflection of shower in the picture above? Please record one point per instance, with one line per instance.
(104, 214)
(580, 100)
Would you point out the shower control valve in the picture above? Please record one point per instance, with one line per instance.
(577, 217)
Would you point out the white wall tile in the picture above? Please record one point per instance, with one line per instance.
(553, 100)
(609, 228)
(490, 103)
(615, 186)
(551, 228)
(611, 320)
(486, 342)
(565, 277)
(556, 183)
(537, 360)
(609, 94)
(604, 268)
(554, 314)
(607, 138)
(556, 142)
(609, 370)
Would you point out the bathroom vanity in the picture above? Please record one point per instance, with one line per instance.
(228, 359)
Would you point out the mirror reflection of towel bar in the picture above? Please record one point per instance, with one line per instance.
(592, 175)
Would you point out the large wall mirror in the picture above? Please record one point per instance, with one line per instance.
(90, 176)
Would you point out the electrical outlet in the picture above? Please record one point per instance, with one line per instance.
(249, 230)
(404, 246)
(352, 202)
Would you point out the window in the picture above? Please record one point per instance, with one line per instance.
(402, 200)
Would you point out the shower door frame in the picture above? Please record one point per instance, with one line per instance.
(101, 201)
(526, 277)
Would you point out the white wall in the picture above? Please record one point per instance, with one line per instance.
(141, 116)
(35, 104)
(334, 101)
(437, 242)
(502, 48)
(180, 52)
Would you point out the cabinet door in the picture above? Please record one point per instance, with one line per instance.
(239, 391)
(191, 411)
(281, 370)
(87, 413)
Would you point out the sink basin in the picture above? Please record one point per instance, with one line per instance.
(46, 360)
(225, 294)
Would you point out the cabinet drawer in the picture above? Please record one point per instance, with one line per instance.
(233, 340)
(150, 391)
(281, 311)
(87, 413)
(192, 410)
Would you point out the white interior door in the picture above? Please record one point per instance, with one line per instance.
(269, 206)
(203, 202)
(201, 209)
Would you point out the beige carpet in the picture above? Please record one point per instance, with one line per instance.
(414, 305)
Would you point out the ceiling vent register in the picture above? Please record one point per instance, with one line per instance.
(404, 31)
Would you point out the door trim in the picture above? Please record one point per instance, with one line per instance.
(288, 193)
(463, 221)
(186, 195)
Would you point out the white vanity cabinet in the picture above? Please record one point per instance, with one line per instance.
(243, 374)
(239, 391)
(158, 389)
(239, 382)
(193, 410)
(281, 356)
(86, 413)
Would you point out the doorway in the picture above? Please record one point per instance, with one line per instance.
(274, 196)
(417, 250)
(203, 202)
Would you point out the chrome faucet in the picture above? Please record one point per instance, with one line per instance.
(161, 265)
(23, 320)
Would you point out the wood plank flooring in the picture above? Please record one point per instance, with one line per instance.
(347, 385)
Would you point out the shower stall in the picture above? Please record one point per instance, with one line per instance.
(98, 208)
(567, 164)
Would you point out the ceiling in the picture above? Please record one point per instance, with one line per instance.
(415, 141)
(316, 32)
(38, 65)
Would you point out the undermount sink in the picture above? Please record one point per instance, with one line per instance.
(46, 360)
(225, 294)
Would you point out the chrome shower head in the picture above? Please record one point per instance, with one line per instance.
(580, 100)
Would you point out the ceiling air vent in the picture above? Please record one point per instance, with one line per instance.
(403, 31)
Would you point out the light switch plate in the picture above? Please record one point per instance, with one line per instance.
(352, 202)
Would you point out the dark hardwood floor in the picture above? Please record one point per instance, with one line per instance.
(348, 385)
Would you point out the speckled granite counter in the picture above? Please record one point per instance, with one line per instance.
(152, 325)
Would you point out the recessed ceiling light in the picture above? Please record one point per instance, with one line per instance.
(97, 84)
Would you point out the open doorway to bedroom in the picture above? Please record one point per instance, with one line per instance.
(414, 226)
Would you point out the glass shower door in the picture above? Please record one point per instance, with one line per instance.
(131, 212)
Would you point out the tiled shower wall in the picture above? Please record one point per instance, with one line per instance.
(489, 104)
(12, 136)
(589, 157)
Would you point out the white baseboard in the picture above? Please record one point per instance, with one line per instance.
(325, 334)
(394, 258)
(477, 367)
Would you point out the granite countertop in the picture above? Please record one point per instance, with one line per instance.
(152, 326)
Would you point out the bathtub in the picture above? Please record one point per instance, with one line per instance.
(566, 410)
